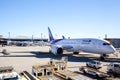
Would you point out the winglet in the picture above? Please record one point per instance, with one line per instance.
(50, 34)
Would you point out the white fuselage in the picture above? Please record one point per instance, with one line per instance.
(86, 44)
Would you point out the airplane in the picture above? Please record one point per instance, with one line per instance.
(91, 45)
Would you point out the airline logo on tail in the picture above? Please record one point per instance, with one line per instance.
(51, 38)
(50, 34)
(63, 37)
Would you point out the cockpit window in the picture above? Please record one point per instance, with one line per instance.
(106, 44)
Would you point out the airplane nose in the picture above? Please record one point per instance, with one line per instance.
(112, 49)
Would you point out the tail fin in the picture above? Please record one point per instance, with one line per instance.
(63, 37)
(50, 34)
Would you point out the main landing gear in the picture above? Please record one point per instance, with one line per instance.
(103, 56)
(76, 53)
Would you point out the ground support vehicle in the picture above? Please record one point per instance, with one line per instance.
(70, 75)
(8, 73)
(93, 72)
(46, 71)
(94, 64)
(27, 76)
(56, 70)
(114, 69)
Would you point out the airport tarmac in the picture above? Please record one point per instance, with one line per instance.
(23, 58)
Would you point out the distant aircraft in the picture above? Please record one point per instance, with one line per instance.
(91, 45)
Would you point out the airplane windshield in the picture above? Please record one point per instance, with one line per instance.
(106, 44)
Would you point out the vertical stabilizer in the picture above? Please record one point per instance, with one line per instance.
(50, 34)
(63, 37)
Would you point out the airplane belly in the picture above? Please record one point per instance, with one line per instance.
(87, 50)
(91, 49)
(76, 48)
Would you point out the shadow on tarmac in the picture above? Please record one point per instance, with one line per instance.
(71, 56)
(74, 58)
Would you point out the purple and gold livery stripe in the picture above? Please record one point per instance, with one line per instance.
(55, 41)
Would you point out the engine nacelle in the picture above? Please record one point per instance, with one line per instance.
(56, 50)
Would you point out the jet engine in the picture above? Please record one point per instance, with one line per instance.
(56, 50)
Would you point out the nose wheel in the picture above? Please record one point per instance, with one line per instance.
(103, 56)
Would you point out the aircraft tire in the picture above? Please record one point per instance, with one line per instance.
(75, 52)
(102, 58)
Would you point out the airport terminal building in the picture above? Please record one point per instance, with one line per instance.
(5, 41)
(114, 41)
(23, 39)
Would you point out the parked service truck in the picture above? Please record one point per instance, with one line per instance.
(94, 64)
(93, 72)
(114, 68)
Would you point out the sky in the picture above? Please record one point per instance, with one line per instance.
(71, 18)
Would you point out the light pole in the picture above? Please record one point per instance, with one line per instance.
(41, 36)
(105, 36)
(9, 35)
(32, 38)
